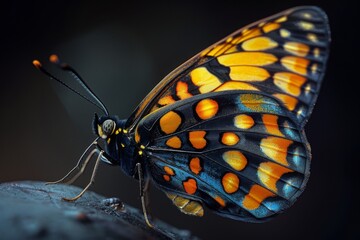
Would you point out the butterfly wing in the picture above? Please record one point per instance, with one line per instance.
(283, 55)
(226, 127)
(242, 154)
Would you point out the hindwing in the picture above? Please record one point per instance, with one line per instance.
(241, 154)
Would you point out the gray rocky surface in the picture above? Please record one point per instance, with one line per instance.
(33, 210)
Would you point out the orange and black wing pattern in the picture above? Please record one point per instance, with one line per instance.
(240, 154)
(283, 55)
(225, 129)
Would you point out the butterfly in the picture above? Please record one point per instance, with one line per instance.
(225, 130)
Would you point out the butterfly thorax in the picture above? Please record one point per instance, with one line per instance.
(119, 148)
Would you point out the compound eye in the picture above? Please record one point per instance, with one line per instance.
(108, 128)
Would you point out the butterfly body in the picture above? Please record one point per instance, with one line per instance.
(120, 147)
(225, 130)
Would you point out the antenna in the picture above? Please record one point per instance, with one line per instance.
(54, 59)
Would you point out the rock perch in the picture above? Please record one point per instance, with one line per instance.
(33, 210)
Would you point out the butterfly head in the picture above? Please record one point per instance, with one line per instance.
(106, 129)
(110, 129)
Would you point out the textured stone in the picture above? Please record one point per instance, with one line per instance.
(33, 210)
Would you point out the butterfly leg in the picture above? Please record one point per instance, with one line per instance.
(92, 180)
(78, 165)
(143, 194)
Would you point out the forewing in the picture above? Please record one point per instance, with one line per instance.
(242, 154)
(283, 55)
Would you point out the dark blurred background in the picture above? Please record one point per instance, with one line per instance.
(123, 50)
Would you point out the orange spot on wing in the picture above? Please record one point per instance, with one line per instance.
(255, 197)
(271, 124)
(295, 64)
(247, 58)
(270, 27)
(174, 142)
(248, 73)
(289, 82)
(205, 80)
(230, 139)
(190, 186)
(230, 182)
(243, 121)
(269, 173)
(197, 139)
(170, 122)
(296, 48)
(166, 178)
(288, 101)
(232, 85)
(220, 201)
(207, 108)
(235, 159)
(182, 90)
(195, 165)
(169, 170)
(259, 44)
(276, 149)
(166, 100)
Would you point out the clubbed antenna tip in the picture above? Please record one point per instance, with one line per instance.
(93, 98)
(37, 64)
(54, 59)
